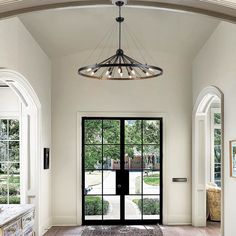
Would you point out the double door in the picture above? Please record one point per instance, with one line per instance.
(122, 170)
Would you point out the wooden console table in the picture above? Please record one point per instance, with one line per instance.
(17, 220)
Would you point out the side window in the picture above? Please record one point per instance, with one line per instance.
(9, 161)
(216, 146)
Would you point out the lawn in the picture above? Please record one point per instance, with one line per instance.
(153, 180)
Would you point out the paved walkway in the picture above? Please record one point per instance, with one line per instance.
(131, 209)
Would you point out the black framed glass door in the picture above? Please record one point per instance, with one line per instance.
(122, 170)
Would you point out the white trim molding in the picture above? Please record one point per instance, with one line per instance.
(120, 114)
(31, 125)
(200, 147)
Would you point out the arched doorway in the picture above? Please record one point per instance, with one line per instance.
(30, 137)
(201, 151)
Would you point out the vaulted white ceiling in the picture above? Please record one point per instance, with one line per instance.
(67, 31)
(224, 9)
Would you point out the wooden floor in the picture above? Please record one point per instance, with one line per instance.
(213, 229)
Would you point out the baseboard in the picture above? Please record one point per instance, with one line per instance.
(178, 220)
(64, 221)
(46, 225)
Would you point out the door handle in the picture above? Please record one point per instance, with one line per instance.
(118, 185)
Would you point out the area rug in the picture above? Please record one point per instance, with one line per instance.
(138, 230)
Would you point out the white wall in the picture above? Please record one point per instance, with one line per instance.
(215, 65)
(170, 94)
(20, 52)
(9, 103)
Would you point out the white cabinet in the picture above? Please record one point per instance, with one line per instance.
(17, 220)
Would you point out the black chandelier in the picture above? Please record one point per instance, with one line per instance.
(120, 66)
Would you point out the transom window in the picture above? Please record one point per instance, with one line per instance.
(9, 161)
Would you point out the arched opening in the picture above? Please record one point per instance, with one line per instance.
(207, 158)
(30, 138)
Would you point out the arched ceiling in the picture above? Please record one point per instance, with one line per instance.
(223, 9)
(62, 32)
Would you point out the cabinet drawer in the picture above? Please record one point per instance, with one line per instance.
(28, 232)
(13, 229)
(28, 220)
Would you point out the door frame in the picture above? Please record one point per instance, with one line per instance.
(199, 152)
(128, 115)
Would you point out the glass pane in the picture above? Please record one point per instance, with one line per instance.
(14, 169)
(151, 157)
(133, 207)
(3, 130)
(151, 182)
(109, 182)
(133, 132)
(14, 151)
(3, 193)
(93, 156)
(111, 157)
(217, 150)
(14, 199)
(93, 182)
(13, 129)
(14, 189)
(217, 118)
(133, 156)
(93, 208)
(111, 207)
(3, 151)
(217, 136)
(111, 131)
(3, 174)
(151, 132)
(93, 131)
(151, 207)
(135, 180)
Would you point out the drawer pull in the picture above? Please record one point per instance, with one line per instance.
(11, 229)
(28, 219)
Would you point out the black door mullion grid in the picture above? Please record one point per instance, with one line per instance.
(122, 169)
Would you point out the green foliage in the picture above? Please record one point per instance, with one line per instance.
(111, 131)
(152, 180)
(130, 150)
(151, 132)
(93, 131)
(217, 151)
(217, 136)
(12, 200)
(110, 152)
(9, 129)
(151, 206)
(133, 132)
(217, 118)
(93, 206)
(93, 156)
(13, 190)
